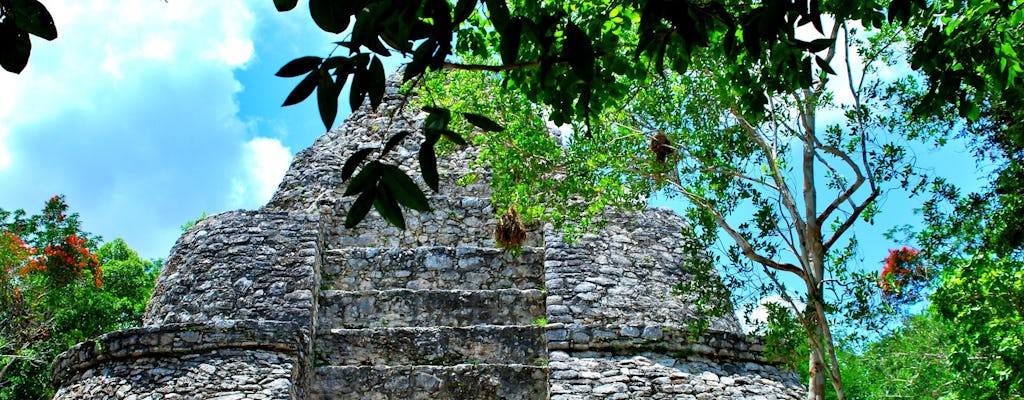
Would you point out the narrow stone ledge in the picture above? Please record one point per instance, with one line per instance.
(633, 339)
(180, 339)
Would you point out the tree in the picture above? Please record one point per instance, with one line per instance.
(571, 57)
(742, 64)
(976, 240)
(574, 56)
(18, 20)
(57, 290)
(724, 162)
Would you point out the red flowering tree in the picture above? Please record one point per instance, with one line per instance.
(53, 293)
(903, 276)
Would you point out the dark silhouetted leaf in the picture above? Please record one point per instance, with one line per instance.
(360, 208)
(375, 45)
(420, 60)
(337, 62)
(394, 141)
(285, 5)
(499, 14)
(483, 122)
(15, 47)
(454, 137)
(428, 164)
(376, 84)
(329, 15)
(32, 17)
(365, 179)
(388, 208)
(353, 161)
(814, 11)
(899, 11)
(510, 39)
(824, 65)
(303, 89)
(327, 99)
(819, 45)
(437, 118)
(579, 51)
(403, 188)
(357, 92)
(462, 10)
(299, 66)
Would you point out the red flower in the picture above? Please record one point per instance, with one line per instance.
(903, 275)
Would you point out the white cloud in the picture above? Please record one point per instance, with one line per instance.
(265, 161)
(759, 315)
(132, 113)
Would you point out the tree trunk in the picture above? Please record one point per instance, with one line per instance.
(816, 370)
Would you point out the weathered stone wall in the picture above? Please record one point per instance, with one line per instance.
(623, 276)
(222, 360)
(373, 268)
(240, 265)
(598, 375)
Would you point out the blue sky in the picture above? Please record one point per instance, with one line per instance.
(146, 114)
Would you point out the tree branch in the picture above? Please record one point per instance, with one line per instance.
(491, 68)
(745, 246)
(771, 156)
(851, 219)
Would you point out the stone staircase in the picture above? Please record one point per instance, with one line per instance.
(430, 323)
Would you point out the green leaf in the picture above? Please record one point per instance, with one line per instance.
(483, 122)
(299, 66)
(285, 5)
(403, 188)
(327, 99)
(388, 208)
(377, 84)
(428, 164)
(353, 161)
(365, 179)
(510, 39)
(32, 17)
(394, 141)
(579, 51)
(360, 208)
(302, 90)
(15, 47)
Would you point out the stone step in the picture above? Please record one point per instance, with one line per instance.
(427, 382)
(464, 267)
(406, 307)
(481, 344)
(454, 221)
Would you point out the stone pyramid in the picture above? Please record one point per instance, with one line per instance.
(285, 303)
